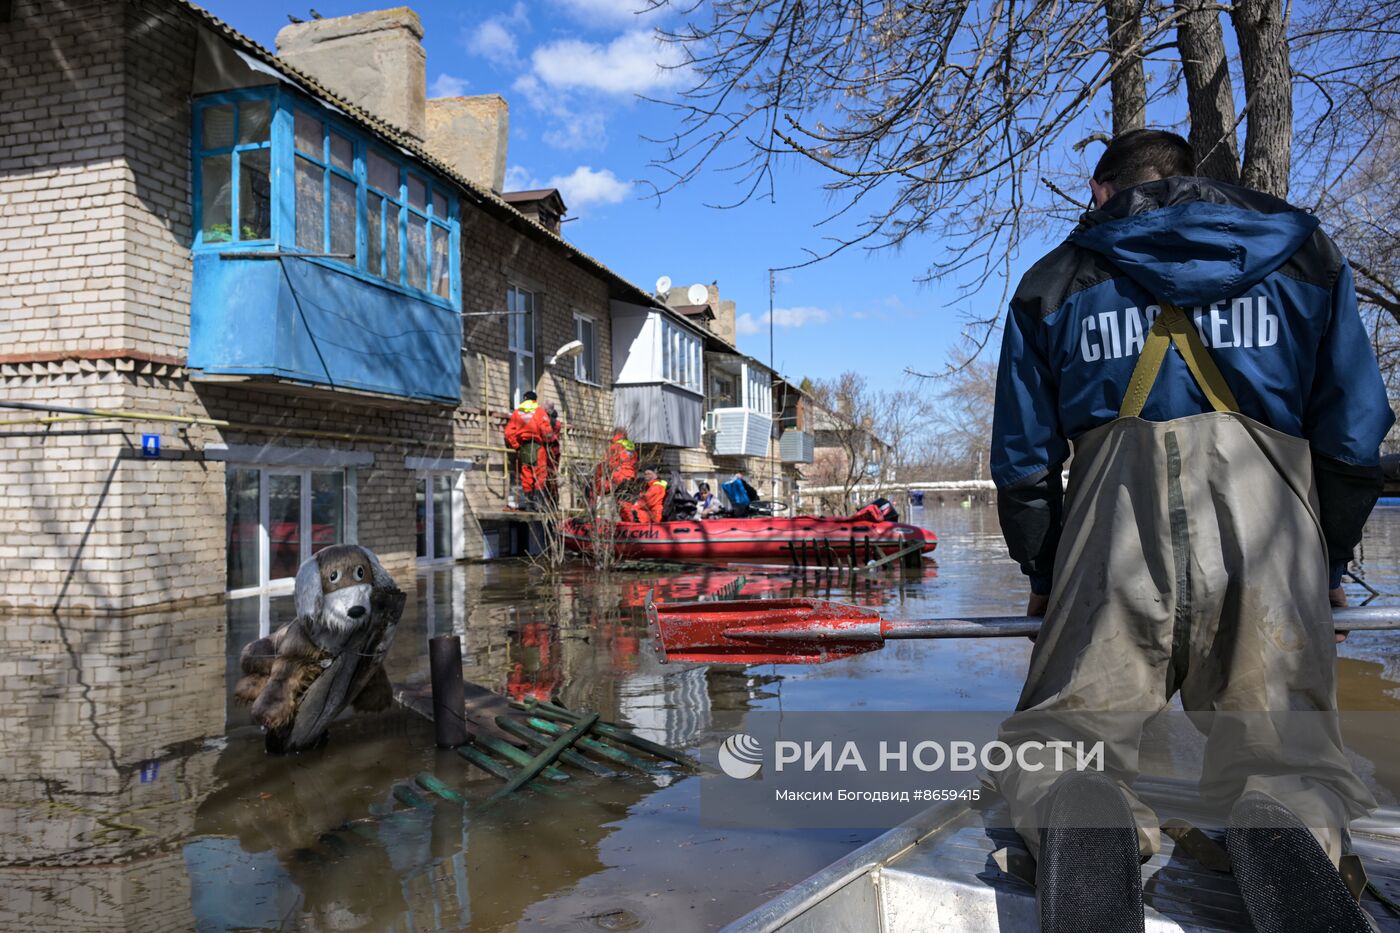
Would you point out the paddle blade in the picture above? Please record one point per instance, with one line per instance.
(698, 632)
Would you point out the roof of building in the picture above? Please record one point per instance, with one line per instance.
(704, 312)
(534, 194)
(487, 199)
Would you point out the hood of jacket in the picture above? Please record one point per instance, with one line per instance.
(1192, 241)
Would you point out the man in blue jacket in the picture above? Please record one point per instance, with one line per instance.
(1198, 347)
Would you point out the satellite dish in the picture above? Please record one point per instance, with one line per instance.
(663, 285)
(698, 295)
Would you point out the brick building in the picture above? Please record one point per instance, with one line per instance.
(754, 420)
(258, 304)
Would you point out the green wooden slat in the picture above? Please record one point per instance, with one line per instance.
(610, 731)
(538, 741)
(541, 761)
(518, 756)
(484, 762)
(410, 798)
(430, 783)
(599, 748)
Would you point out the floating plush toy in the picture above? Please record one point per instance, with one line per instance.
(331, 655)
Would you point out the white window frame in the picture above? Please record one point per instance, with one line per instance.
(757, 390)
(590, 348)
(679, 357)
(514, 337)
(430, 515)
(348, 522)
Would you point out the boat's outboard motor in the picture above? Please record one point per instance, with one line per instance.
(886, 510)
(879, 510)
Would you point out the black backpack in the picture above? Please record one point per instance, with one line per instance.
(679, 505)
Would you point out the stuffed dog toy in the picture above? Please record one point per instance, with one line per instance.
(334, 597)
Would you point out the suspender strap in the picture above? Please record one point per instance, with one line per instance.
(1173, 327)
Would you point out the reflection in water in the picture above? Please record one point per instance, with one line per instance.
(104, 728)
(139, 796)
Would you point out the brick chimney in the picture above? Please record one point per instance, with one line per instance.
(724, 325)
(470, 134)
(374, 60)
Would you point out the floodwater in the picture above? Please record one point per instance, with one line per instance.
(136, 796)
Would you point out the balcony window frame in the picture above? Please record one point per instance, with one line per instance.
(679, 356)
(440, 211)
(757, 390)
(235, 151)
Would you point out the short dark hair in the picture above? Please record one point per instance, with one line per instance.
(1139, 156)
(530, 397)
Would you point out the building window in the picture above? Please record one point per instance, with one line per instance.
(758, 390)
(435, 517)
(586, 363)
(333, 191)
(233, 155)
(277, 518)
(520, 329)
(680, 356)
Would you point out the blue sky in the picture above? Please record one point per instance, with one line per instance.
(572, 71)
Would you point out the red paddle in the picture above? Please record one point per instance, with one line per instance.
(811, 631)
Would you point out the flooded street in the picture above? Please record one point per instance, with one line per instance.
(136, 795)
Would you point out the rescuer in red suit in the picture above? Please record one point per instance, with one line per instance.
(649, 507)
(619, 467)
(529, 433)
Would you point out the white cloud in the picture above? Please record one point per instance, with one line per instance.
(799, 317)
(445, 85)
(589, 11)
(581, 189)
(578, 131)
(584, 187)
(494, 40)
(529, 87)
(749, 324)
(519, 179)
(633, 63)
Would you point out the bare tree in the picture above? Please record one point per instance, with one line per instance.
(942, 117)
(1129, 86)
(865, 438)
(844, 430)
(964, 415)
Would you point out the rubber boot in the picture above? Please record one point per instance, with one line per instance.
(1089, 875)
(1287, 880)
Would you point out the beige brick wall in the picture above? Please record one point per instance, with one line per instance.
(95, 277)
(158, 216)
(61, 147)
(494, 258)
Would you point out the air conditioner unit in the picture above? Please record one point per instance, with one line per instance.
(711, 422)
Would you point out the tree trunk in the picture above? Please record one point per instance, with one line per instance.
(1268, 87)
(1129, 83)
(1208, 90)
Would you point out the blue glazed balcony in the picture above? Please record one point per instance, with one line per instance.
(321, 257)
(308, 322)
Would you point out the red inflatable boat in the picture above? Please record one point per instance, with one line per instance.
(743, 538)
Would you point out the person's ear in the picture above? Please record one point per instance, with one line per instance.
(1102, 191)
